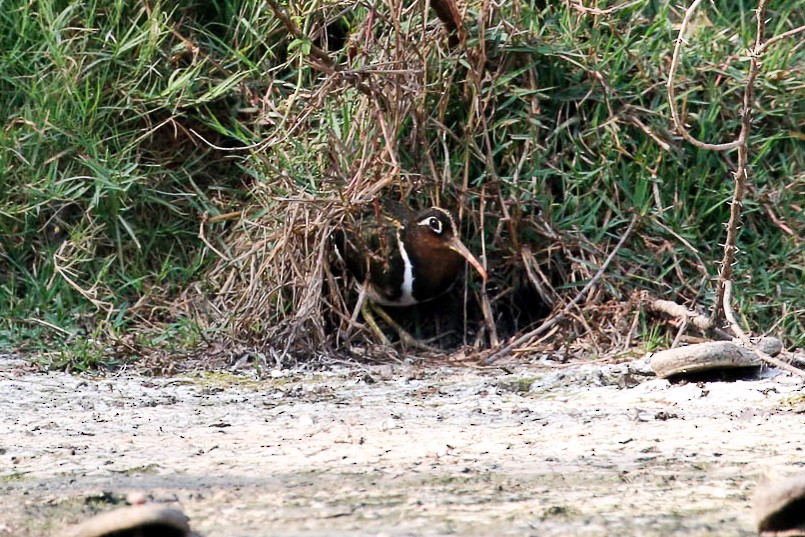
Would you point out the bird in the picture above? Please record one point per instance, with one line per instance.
(403, 260)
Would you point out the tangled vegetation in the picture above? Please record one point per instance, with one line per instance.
(172, 172)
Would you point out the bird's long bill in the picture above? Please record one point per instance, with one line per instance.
(456, 245)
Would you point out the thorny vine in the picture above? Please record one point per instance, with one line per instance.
(722, 306)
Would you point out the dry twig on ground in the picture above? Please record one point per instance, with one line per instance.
(555, 319)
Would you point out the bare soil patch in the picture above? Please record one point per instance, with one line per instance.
(586, 450)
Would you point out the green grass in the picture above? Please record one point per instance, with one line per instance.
(123, 126)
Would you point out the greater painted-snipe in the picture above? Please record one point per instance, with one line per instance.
(403, 261)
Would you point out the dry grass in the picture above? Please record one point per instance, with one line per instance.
(274, 283)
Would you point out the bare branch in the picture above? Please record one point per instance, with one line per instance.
(722, 303)
(772, 40)
(723, 287)
(680, 312)
(596, 11)
(680, 127)
(776, 362)
(728, 313)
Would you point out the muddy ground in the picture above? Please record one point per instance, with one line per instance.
(533, 449)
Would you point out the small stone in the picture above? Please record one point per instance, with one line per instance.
(770, 345)
(778, 506)
(147, 520)
(136, 497)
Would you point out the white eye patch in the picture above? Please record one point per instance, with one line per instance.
(433, 223)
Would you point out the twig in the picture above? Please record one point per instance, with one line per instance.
(779, 223)
(776, 362)
(86, 293)
(672, 94)
(678, 311)
(643, 127)
(680, 333)
(596, 11)
(772, 40)
(682, 240)
(546, 291)
(548, 324)
(700, 321)
(315, 51)
(205, 218)
(730, 315)
(741, 174)
(52, 326)
(327, 65)
(486, 306)
(721, 305)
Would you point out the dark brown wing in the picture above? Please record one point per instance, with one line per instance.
(371, 253)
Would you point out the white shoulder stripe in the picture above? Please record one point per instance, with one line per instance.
(407, 296)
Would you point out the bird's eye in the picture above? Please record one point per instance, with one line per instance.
(435, 225)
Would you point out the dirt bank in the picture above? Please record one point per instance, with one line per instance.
(406, 450)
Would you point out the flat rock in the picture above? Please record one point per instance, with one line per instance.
(711, 356)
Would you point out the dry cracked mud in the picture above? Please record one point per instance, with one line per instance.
(587, 450)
